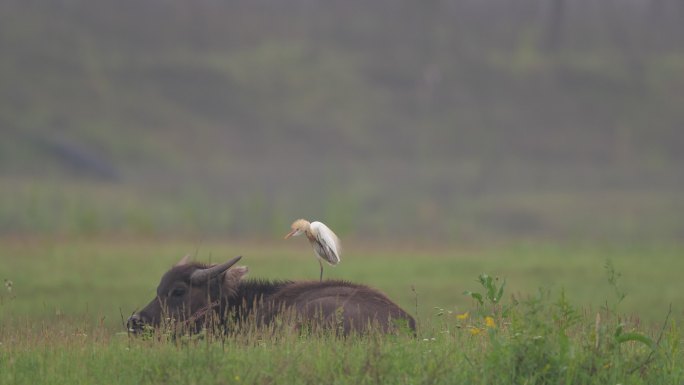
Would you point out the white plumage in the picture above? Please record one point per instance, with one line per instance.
(327, 243)
(323, 240)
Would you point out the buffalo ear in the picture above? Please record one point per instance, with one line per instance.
(232, 278)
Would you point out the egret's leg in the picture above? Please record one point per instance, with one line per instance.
(321, 263)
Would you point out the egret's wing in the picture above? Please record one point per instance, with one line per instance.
(326, 243)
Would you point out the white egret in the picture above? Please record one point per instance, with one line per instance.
(324, 241)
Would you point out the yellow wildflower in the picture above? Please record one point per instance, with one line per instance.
(489, 321)
(462, 316)
(475, 331)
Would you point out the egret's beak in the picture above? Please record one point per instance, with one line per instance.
(291, 233)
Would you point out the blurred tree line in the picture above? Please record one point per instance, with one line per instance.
(446, 119)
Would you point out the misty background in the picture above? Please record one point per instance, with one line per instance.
(440, 120)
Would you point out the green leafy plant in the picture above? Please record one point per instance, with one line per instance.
(9, 287)
(619, 335)
(492, 294)
(489, 300)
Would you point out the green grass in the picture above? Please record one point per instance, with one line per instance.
(74, 277)
(61, 321)
(83, 207)
(499, 356)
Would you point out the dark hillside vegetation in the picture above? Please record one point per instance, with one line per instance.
(448, 119)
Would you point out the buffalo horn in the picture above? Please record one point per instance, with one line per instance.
(204, 275)
(183, 261)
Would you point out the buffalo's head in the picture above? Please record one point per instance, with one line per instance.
(188, 294)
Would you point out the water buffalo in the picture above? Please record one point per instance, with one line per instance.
(192, 293)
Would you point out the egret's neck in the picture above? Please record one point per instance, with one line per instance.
(309, 233)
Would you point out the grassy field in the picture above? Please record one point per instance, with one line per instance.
(61, 315)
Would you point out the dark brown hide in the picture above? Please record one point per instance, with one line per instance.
(338, 305)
